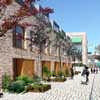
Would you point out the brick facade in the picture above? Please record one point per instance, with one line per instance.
(8, 52)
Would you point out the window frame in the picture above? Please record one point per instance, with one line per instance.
(15, 38)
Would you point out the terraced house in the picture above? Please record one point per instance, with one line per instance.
(34, 42)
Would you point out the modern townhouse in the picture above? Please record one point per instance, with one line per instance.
(19, 55)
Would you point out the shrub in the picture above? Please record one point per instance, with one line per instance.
(59, 79)
(17, 86)
(60, 73)
(53, 73)
(78, 64)
(45, 70)
(67, 72)
(26, 79)
(6, 81)
(37, 87)
(36, 79)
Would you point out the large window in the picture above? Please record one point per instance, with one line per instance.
(18, 37)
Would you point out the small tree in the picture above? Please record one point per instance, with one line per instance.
(46, 71)
(60, 43)
(74, 53)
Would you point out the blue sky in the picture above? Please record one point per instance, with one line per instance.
(78, 16)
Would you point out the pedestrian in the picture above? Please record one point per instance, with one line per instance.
(86, 74)
(96, 70)
(91, 70)
(72, 72)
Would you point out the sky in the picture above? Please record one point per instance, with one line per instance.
(77, 16)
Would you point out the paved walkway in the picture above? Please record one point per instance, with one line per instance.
(69, 90)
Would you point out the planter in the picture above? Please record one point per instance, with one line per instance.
(55, 79)
(38, 88)
(77, 72)
(59, 79)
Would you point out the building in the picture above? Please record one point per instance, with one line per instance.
(79, 40)
(18, 56)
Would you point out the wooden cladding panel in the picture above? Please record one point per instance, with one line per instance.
(64, 67)
(23, 67)
(57, 67)
(47, 64)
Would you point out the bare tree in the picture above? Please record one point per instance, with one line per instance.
(97, 48)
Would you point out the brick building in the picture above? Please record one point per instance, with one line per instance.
(17, 57)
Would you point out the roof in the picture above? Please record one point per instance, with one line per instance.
(76, 39)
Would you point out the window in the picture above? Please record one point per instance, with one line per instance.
(32, 5)
(21, 2)
(18, 37)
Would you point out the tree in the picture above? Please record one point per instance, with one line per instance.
(60, 43)
(24, 12)
(40, 37)
(97, 48)
(74, 53)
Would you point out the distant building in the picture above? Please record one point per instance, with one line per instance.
(79, 39)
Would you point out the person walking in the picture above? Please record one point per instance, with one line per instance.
(72, 72)
(86, 74)
(91, 70)
(96, 70)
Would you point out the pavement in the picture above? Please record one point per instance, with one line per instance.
(71, 89)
